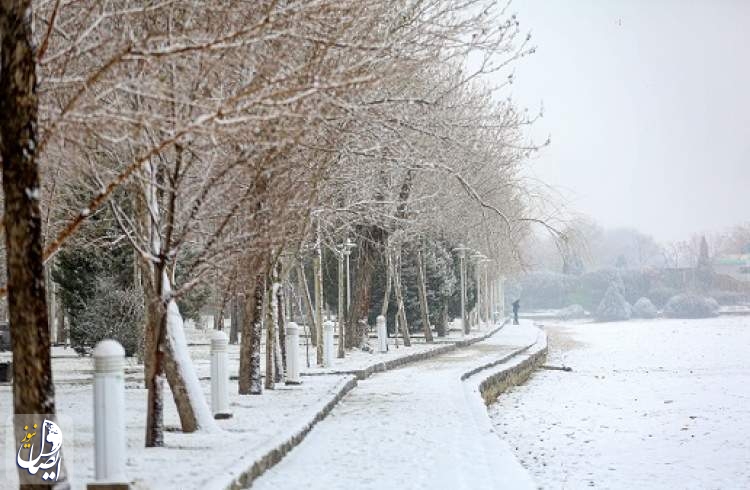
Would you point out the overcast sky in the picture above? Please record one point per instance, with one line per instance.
(648, 106)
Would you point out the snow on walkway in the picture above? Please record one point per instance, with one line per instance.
(649, 404)
(409, 428)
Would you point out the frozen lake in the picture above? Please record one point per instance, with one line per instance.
(649, 404)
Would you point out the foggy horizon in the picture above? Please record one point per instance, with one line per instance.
(646, 106)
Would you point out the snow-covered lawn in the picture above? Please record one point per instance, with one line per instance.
(410, 428)
(649, 404)
(210, 460)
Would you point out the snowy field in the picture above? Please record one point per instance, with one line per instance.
(411, 428)
(649, 404)
(208, 460)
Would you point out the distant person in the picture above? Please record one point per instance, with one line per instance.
(516, 306)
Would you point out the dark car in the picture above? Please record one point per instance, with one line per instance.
(4, 336)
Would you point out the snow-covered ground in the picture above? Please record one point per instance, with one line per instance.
(410, 428)
(649, 404)
(209, 460)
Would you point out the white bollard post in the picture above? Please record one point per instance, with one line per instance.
(219, 375)
(382, 334)
(292, 354)
(328, 344)
(109, 413)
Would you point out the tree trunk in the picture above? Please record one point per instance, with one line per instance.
(281, 315)
(388, 282)
(192, 407)
(278, 373)
(169, 356)
(62, 334)
(154, 370)
(217, 317)
(274, 306)
(400, 301)
(220, 313)
(442, 325)
(340, 315)
(271, 306)
(423, 307)
(51, 302)
(33, 390)
(305, 292)
(232, 313)
(239, 311)
(318, 278)
(252, 331)
(367, 257)
(169, 351)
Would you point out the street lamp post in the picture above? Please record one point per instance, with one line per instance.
(344, 251)
(488, 294)
(479, 259)
(462, 257)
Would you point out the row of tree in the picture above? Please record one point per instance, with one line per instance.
(224, 145)
(588, 247)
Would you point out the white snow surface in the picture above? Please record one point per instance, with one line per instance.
(417, 427)
(649, 404)
(189, 461)
(204, 459)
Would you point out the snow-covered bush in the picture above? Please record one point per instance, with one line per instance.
(644, 308)
(112, 313)
(635, 284)
(613, 306)
(571, 312)
(593, 285)
(691, 305)
(659, 295)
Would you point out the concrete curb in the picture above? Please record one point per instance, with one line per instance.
(245, 478)
(517, 373)
(380, 367)
(272, 457)
(499, 380)
(482, 390)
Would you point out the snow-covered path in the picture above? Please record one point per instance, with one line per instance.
(410, 428)
(649, 404)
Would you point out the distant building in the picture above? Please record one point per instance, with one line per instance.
(734, 265)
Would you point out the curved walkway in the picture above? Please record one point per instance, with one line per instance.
(410, 428)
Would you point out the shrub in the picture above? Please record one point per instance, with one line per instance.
(691, 306)
(594, 285)
(660, 295)
(635, 284)
(110, 314)
(731, 298)
(644, 308)
(571, 312)
(613, 306)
